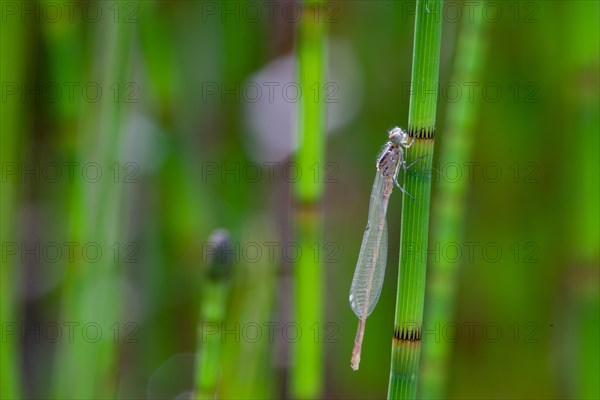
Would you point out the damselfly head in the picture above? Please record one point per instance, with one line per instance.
(399, 137)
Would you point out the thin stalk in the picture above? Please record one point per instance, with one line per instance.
(406, 343)
(91, 290)
(584, 324)
(13, 45)
(582, 176)
(449, 210)
(307, 373)
(212, 317)
(252, 302)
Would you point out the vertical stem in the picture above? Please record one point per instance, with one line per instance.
(311, 111)
(582, 177)
(449, 210)
(13, 43)
(406, 343)
(584, 325)
(307, 381)
(91, 290)
(212, 316)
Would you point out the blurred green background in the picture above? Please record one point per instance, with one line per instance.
(130, 131)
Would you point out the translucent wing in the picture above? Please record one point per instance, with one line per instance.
(370, 268)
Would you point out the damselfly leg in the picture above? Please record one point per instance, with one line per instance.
(405, 167)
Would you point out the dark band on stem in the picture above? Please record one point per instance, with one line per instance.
(307, 206)
(422, 133)
(407, 334)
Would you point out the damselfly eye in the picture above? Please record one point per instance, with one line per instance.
(398, 136)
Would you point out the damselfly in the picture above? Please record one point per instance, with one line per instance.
(370, 268)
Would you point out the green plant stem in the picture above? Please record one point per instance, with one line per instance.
(212, 316)
(252, 303)
(13, 45)
(406, 343)
(582, 175)
(91, 290)
(584, 324)
(311, 111)
(307, 379)
(307, 373)
(213, 311)
(449, 211)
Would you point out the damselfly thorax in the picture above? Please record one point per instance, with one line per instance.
(391, 158)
